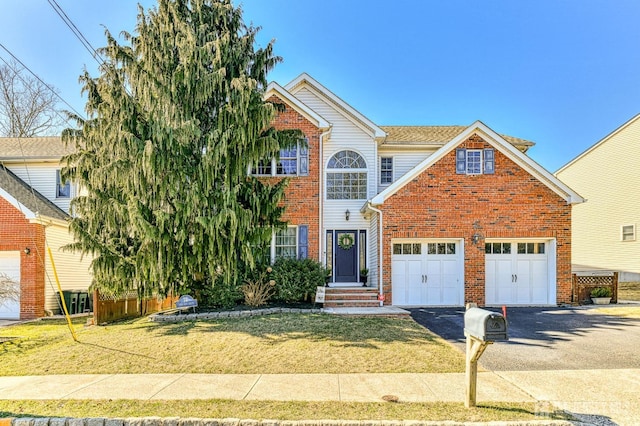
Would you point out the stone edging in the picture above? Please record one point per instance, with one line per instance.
(176, 317)
(177, 421)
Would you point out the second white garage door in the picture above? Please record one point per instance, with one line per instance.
(519, 273)
(427, 273)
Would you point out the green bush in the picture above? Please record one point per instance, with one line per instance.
(601, 292)
(213, 294)
(296, 280)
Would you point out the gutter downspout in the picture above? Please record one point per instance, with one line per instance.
(381, 255)
(322, 236)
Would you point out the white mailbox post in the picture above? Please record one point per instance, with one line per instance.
(481, 328)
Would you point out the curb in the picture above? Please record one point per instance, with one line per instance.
(177, 421)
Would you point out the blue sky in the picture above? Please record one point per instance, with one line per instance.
(562, 73)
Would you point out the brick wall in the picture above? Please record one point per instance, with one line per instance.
(16, 234)
(508, 204)
(302, 196)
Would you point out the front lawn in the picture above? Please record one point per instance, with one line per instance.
(271, 344)
(289, 410)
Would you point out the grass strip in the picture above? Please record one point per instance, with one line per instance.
(289, 410)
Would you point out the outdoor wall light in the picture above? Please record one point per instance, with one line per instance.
(27, 250)
(475, 238)
(347, 214)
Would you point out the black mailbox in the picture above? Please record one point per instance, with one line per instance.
(485, 325)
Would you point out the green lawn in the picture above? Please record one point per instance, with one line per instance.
(284, 343)
(277, 410)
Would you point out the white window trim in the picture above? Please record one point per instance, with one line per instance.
(59, 184)
(392, 170)
(633, 232)
(274, 166)
(469, 151)
(273, 243)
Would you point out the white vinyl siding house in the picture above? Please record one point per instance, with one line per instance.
(73, 270)
(43, 178)
(607, 176)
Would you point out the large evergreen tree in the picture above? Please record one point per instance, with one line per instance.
(175, 119)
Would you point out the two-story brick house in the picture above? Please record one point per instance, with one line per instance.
(439, 215)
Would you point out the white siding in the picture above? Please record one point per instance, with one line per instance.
(403, 161)
(608, 178)
(345, 134)
(373, 246)
(42, 177)
(73, 271)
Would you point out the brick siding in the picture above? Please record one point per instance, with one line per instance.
(16, 234)
(302, 196)
(508, 204)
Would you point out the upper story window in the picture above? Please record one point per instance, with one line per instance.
(475, 161)
(628, 233)
(293, 161)
(346, 176)
(386, 170)
(63, 189)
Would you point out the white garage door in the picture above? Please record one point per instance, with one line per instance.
(10, 269)
(517, 273)
(427, 273)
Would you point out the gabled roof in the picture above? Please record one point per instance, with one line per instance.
(22, 196)
(435, 136)
(599, 143)
(342, 106)
(275, 89)
(40, 148)
(499, 143)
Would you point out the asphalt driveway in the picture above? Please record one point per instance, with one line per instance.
(547, 338)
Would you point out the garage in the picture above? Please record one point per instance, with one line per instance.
(427, 273)
(10, 268)
(520, 272)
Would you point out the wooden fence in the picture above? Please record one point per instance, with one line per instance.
(108, 308)
(584, 282)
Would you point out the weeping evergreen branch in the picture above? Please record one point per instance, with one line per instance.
(175, 118)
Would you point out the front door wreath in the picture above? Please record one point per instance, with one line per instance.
(345, 241)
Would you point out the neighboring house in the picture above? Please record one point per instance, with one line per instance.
(34, 206)
(605, 228)
(440, 215)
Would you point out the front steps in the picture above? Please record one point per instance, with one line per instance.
(347, 297)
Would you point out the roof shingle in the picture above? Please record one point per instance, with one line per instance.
(434, 135)
(48, 147)
(29, 197)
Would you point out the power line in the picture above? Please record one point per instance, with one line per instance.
(39, 79)
(83, 40)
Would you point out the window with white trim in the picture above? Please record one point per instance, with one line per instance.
(286, 243)
(628, 232)
(386, 170)
(475, 161)
(292, 161)
(346, 176)
(63, 190)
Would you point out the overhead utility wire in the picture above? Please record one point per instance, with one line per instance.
(83, 40)
(39, 79)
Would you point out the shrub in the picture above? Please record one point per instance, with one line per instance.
(601, 292)
(216, 293)
(296, 280)
(258, 291)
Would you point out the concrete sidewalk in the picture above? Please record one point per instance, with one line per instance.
(585, 393)
(278, 387)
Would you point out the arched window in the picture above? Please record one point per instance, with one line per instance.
(347, 176)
